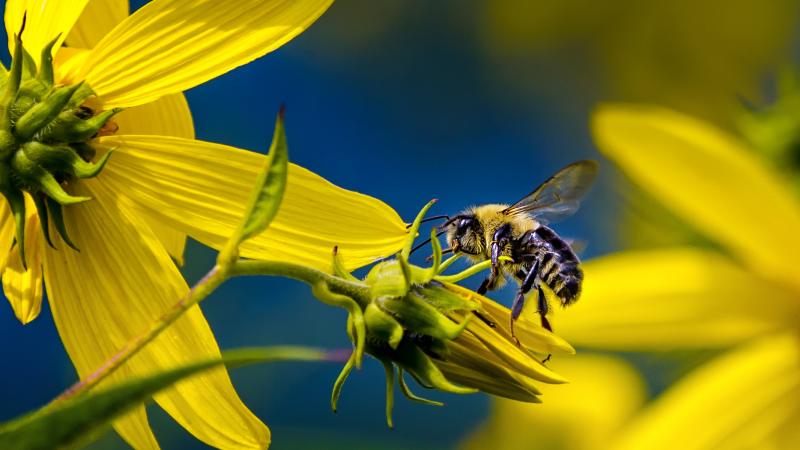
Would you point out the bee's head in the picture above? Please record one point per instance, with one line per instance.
(465, 234)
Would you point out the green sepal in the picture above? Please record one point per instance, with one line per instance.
(15, 74)
(410, 395)
(16, 201)
(339, 383)
(436, 255)
(449, 262)
(57, 214)
(28, 64)
(83, 169)
(52, 158)
(406, 270)
(470, 271)
(445, 300)
(64, 159)
(388, 367)
(39, 179)
(29, 93)
(84, 150)
(70, 127)
(46, 74)
(323, 293)
(8, 144)
(383, 326)
(83, 93)
(387, 280)
(44, 112)
(417, 315)
(413, 230)
(12, 83)
(41, 211)
(338, 268)
(414, 361)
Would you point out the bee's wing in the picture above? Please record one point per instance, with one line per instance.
(577, 245)
(560, 195)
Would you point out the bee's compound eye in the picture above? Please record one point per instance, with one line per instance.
(465, 223)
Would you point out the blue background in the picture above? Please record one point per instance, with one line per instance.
(403, 102)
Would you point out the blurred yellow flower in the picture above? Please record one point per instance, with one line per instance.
(158, 186)
(684, 54)
(603, 395)
(743, 300)
(744, 297)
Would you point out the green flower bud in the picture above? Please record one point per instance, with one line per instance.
(44, 140)
(448, 338)
(43, 112)
(382, 326)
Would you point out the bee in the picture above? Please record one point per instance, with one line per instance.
(520, 232)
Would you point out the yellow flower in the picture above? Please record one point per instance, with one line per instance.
(743, 297)
(682, 54)
(603, 395)
(158, 186)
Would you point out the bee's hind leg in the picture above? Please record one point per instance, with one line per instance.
(527, 284)
(543, 308)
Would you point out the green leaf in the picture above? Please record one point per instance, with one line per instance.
(266, 197)
(78, 420)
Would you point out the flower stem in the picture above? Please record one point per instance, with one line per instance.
(213, 279)
(197, 293)
(354, 289)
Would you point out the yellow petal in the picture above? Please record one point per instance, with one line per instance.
(134, 428)
(170, 46)
(735, 401)
(203, 189)
(167, 116)
(112, 290)
(23, 288)
(44, 21)
(677, 298)
(67, 62)
(97, 19)
(7, 232)
(173, 240)
(530, 334)
(602, 396)
(712, 180)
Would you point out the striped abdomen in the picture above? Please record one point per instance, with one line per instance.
(559, 266)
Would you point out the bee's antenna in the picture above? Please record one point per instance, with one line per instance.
(444, 252)
(431, 218)
(424, 243)
(449, 221)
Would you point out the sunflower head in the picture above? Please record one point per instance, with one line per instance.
(44, 130)
(415, 321)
